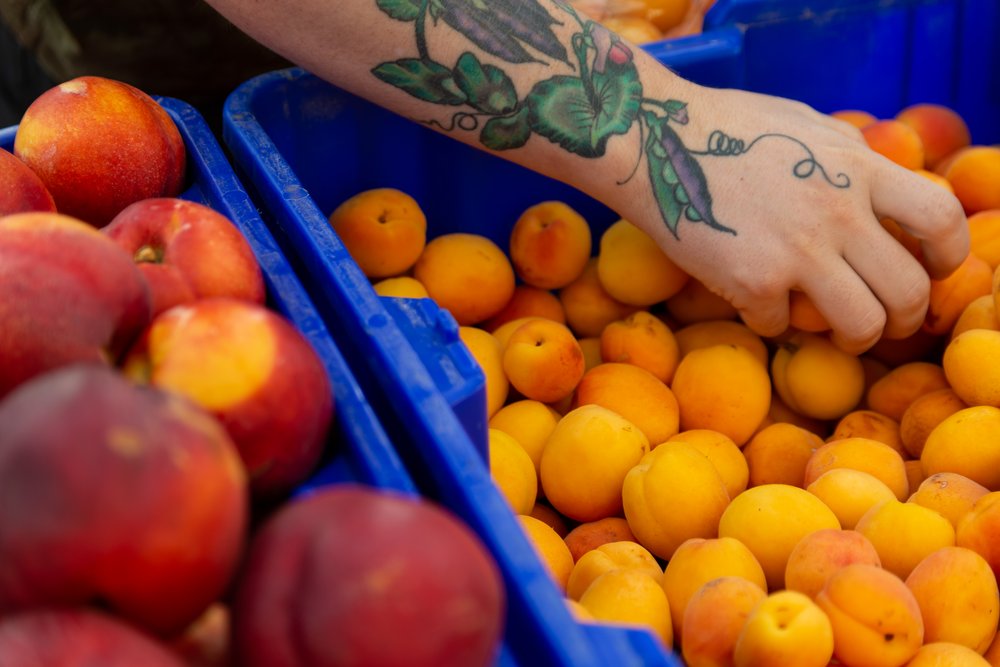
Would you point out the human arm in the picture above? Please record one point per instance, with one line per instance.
(751, 194)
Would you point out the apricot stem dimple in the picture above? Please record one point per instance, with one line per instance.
(149, 254)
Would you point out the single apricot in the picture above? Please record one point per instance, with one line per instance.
(949, 494)
(904, 534)
(512, 471)
(713, 619)
(696, 303)
(850, 493)
(950, 296)
(974, 174)
(785, 628)
(636, 395)
(721, 332)
(466, 274)
(946, 654)
(871, 456)
(607, 557)
(530, 423)
(723, 388)
(896, 141)
(968, 443)
(723, 453)
(957, 594)
(586, 459)
(588, 306)
(630, 597)
(592, 534)
(383, 229)
(405, 287)
(634, 269)
(550, 548)
(550, 245)
(942, 131)
(971, 363)
(894, 392)
(486, 350)
(872, 425)
(546, 514)
(643, 340)
(528, 301)
(984, 236)
(981, 313)
(543, 361)
(816, 378)
(979, 528)
(855, 117)
(779, 453)
(770, 520)
(503, 332)
(803, 313)
(818, 555)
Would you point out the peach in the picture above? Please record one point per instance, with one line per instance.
(543, 361)
(924, 414)
(696, 303)
(255, 372)
(893, 393)
(724, 455)
(957, 594)
(973, 174)
(592, 534)
(971, 363)
(141, 495)
(949, 494)
(716, 332)
(608, 557)
(488, 353)
(855, 117)
(324, 582)
(21, 191)
(850, 493)
(984, 240)
(550, 548)
(636, 395)
(99, 145)
(630, 597)
(74, 637)
(512, 471)
(466, 274)
(875, 617)
(818, 555)
(62, 277)
(968, 443)
(779, 453)
(634, 269)
(770, 520)
(904, 534)
(383, 229)
(942, 131)
(588, 306)
(643, 340)
(187, 251)
(550, 245)
(785, 628)
(950, 296)
(529, 422)
(897, 141)
(872, 425)
(673, 494)
(713, 618)
(585, 460)
(871, 456)
(946, 654)
(698, 561)
(528, 301)
(816, 378)
(978, 529)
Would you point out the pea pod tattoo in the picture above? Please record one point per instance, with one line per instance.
(580, 112)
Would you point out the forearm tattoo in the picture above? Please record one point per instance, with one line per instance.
(580, 112)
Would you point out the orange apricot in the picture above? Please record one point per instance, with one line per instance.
(855, 117)
(966, 442)
(803, 313)
(897, 141)
(405, 287)
(588, 306)
(981, 313)
(610, 556)
(487, 352)
(550, 548)
(543, 361)
(974, 174)
(696, 303)
(779, 453)
(383, 229)
(592, 534)
(716, 332)
(949, 494)
(950, 296)
(636, 395)
(642, 340)
(550, 245)
(529, 422)
(528, 301)
(634, 269)
(984, 236)
(818, 555)
(872, 425)
(850, 493)
(971, 364)
(942, 131)
(894, 392)
(713, 618)
(871, 456)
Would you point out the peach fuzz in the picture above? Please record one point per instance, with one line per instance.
(785, 628)
(723, 453)
(713, 618)
(383, 229)
(99, 145)
(592, 534)
(968, 443)
(855, 117)
(816, 378)
(529, 422)
(643, 340)
(696, 303)
(924, 414)
(984, 239)
(723, 388)
(871, 456)
(608, 557)
(488, 353)
(550, 245)
(850, 493)
(466, 274)
(630, 597)
(958, 596)
(872, 425)
(904, 534)
(21, 191)
(528, 301)
(698, 561)
(673, 494)
(971, 363)
(251, 369)
(818, 555)
(950, 296)
(770, 520)
(401, 287)
(588, 306)
(973, 173)
(978, 529)
(719, 332)
(778, 454)
(897, 141)
(946, 654)
(585, 460)
(949, 494)
(875, 617)
(980, 313)
(551, 549)
(543, 361)
(512, 471)
(635, 394)
(942, 131)
(893, 393)
(633, 269)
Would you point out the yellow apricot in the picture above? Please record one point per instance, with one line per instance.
(401, 286)
(643, 340)
(630, 597)
(816, 378)
(550, 548)
(968, 443)
(779, 453)
(720, 332)
(607, 557)
(720, 449)
(950, 494)
(530, 423)
(971, 364)
(850, 493)
(785, 628)
(904, 534)
(512, 471)
(634, 269)
(588, 306)
(486, 350)
(871, 456)
(946, 654)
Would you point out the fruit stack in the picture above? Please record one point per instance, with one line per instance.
(645, 21)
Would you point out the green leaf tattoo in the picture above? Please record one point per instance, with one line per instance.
(580, 112)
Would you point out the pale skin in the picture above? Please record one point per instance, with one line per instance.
(796, 209)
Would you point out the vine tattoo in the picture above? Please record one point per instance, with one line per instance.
(580, 112)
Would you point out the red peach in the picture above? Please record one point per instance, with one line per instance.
(21, 190)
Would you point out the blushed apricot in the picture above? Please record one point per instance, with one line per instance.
(550, 245)
(892, 394)
(588, 306)
(486, 350)
(642, 340)
(550, 548)
(630, 597)
(816, 378)
(720, 332)
(971, 363)
(635, 394)
(405, 287)
(958, 595)
(949, 494)
(585, 460)
(968, 443)
(770, 520)
(528, 301)
(713, 618)
(592, 534)
(696, 303)
(608, 557)
(850, 493)
(974, 173)
(946, 654)
(467, 275)
(383, 229)
(984, 236)
(950, 296)
(896, 141)
(723, 453)
(942, 131)
(904, 534)
(871, 456)
(633, 269)
(723, 388)
(512, 471)
(855, 117)
(979, 528)
(785, 628)
(869, 424)
(818, 555)
(779, 453)
(543, 361)
(530, 423)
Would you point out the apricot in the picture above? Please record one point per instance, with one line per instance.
(630, 597)
(404, 287)
(904, 534)
(978, 529)
(586, 459)
(636, 395)
(942, 131)
(546, 514)
(528, 301)
(543, 361)
(591, 352)
(946, 654)
(503, 332)
(971, 363)
(467, 275)
(850, 493)
(855, 117)
(984, 239)
(872, 425)
(785, 628)
(529, 422)
(698, 561)
(667, 14)
(642, 340)
(894, 392)
(973, 174)
(608, 557)
(551, 549)
(723, 388)
(966, 442)
(592, 534)
(770, 520)
(673, 494)
(550, 245)
(816, 378)
(383, 229)
(727, 458)
(588, 306)
(949, 494)
(696, 303)
(804, 315)
(634, 269)
(950, 296)
(818, 555)
(486, 350)
(716, 332)
(981, 313)
(713, 618)
(924, 414)
(958, 596)
(779, 453)
(897, 141)
(875, 618)
(871, 456)
(512, 471)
